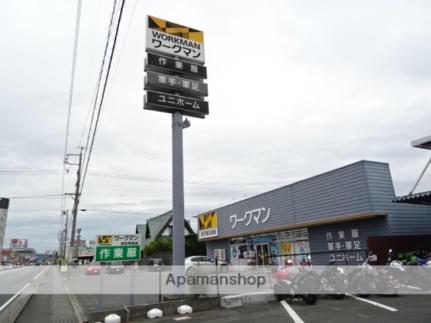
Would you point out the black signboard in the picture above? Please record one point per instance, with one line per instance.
(165, 102)
(158, 81)
(164, 64)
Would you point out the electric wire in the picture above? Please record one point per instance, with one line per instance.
(102, 95)
(117, 64)
(99, 80)
(36, 196)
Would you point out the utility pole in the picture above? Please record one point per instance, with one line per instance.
(66, 213)
(75, 196)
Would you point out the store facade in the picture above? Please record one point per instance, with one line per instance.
(327, 217)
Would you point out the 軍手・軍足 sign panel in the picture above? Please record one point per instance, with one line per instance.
(176, 40)
(158, 81)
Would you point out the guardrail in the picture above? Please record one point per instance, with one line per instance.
(10, 310)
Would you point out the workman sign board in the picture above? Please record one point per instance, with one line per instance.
(119, 240)
(118, 247)
(170, 38)
(207, 225)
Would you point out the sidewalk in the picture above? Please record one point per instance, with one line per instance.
(48, 308)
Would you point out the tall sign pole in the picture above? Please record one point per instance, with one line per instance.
(178, 190)
(174, 84)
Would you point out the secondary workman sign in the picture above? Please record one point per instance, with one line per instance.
(173, 39)
(207, 225)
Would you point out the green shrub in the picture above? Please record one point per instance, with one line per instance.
(158, 245)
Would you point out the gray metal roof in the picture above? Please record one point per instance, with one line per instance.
(418, 198)
(155, 226)
(422, 143)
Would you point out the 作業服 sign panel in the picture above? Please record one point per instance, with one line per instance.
(163, 64)
(118, 253)
(165, 102)
(158, 81)
(173, 39)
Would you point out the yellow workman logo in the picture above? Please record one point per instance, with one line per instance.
(175, 29)
(208, 221)
(104, 239)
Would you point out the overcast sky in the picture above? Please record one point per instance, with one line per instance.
(296, 88)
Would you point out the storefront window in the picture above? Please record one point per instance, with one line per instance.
(271, 249)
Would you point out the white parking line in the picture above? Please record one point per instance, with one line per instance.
(295, 317)
(392, 309)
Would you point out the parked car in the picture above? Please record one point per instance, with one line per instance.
(115, 269)
(194, 262)
(93, 269)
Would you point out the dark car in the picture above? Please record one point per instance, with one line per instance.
(115, 269)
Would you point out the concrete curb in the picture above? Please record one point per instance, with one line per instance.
(239, 300)
(169, 308)
(77, 309)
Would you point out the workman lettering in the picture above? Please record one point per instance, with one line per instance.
(176, 40)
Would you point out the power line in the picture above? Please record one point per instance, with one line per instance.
(30, 172)
(137, 178)
(36, 196)
(99, 80)
(122, 47)
(103, 93)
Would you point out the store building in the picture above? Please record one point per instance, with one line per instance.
(330, 216)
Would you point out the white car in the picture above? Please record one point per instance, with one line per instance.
(192, 263)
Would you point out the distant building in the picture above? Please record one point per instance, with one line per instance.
(18, 244)
(4, 206)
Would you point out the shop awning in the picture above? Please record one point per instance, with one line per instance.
(418, 198)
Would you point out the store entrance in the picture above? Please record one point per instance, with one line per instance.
(262, 253)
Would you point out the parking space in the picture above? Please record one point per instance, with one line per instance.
(410, 308)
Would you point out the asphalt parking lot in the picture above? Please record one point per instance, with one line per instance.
(408, 308)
